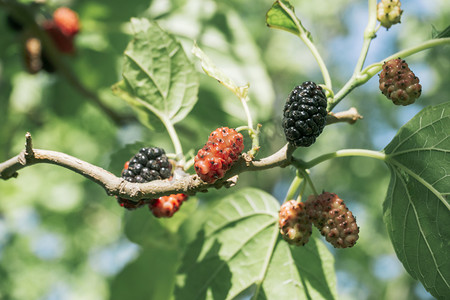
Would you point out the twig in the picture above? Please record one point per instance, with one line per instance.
(116, 186)
(350, 116)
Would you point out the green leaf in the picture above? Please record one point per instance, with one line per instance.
(142, 228)
(278, 17)
(158, 77)
(239, 254)
(211, 70)
(282, 16)
(436, 34)
(417, 209)
(150, 276)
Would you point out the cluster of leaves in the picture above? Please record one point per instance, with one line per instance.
(225, 247)
(146, 86)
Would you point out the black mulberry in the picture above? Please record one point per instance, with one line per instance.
(304, 114)
(147, 165)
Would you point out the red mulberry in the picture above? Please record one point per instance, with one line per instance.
(295, 225)
(398, 82)
(331, 216)
(223, 148)
(165, 207)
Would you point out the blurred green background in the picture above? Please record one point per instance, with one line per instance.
(62, 237)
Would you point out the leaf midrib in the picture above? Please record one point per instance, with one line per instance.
(225, 261)
(127, 54)
(419, 179)
(417, 150)
(401, 142)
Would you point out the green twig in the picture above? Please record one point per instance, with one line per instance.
(189, 164)
(305, 175)
(340, 153)
(368, 72)
(369, 35)
(175, 140)
(302, 191)
(247, 111)
(295, 184)
(303, 34)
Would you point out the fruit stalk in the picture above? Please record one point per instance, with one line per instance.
(368, 72)
(340, 153)
(303, 35)
(295, 184)
(174, 138)
(305, 175)
(369, 35)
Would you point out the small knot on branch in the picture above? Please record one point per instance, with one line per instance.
(28, 146)
(350, 116)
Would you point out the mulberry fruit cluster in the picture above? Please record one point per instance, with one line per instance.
(327, 212)
(304, 114)
(294, 223)
(333, 219)
(147, 165)
(389, 12)
(398, 82)
(223, 148)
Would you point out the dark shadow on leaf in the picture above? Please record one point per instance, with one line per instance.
(312, 271)
(208, 276)
(305, 286)
(150, 276)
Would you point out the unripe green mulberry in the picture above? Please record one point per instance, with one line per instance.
(389, 12)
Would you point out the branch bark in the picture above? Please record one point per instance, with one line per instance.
(190, 184)
(116, 186)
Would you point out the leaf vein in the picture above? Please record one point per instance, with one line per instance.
(411, 204)
(147, 73)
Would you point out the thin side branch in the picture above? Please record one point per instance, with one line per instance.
(116, 186)
(350, 116)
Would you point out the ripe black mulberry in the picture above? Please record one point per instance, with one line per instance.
(304, 114)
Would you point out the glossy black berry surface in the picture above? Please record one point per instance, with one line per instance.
(147, 165)
(304, 114)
